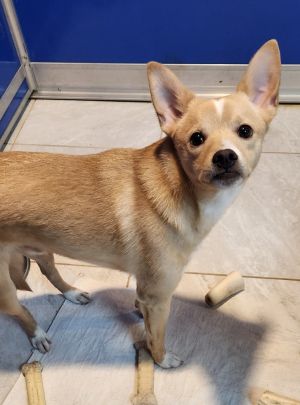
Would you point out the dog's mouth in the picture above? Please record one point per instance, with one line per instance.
(221, 178)
(226, 178)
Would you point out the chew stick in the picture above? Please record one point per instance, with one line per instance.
(145, 377)
(262, 397)
(270, 398)
(231, 285)
(34, 383)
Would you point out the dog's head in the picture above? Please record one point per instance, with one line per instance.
(219, 141)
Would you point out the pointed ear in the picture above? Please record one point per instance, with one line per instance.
(262, 78)
(170, 98)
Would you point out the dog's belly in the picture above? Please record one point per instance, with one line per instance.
(98, 254)
(94, 255)
(98, 248)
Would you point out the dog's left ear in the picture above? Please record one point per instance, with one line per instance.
(170, 98)
(262, 78)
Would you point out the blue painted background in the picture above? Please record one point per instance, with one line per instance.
(9, 64)
(170, 31)
(9, 61)
(12, 108)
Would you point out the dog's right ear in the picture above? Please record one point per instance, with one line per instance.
(170, 98)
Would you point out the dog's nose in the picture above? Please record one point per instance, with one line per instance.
(224, 159)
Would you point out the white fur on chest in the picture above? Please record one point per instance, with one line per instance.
(212, 210)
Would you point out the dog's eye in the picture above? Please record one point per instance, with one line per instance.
(197, 139)
(245, 131)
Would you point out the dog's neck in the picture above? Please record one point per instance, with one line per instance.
(212, 209)
(191, 211)
(165, 185)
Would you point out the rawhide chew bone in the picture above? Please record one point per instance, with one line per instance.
(264, 397)
(34, 383)
(145, 377)
(231, 285)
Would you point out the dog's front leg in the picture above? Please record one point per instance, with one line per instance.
(156, 315)
(154, 294)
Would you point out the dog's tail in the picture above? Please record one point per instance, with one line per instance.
(18, 269)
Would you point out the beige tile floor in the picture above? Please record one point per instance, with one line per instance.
(252, 341)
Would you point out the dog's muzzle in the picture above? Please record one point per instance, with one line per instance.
(226, 178)
(226, 168)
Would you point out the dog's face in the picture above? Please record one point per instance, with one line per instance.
(219, 141)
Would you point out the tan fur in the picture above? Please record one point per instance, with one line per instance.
(142, 211)
(16, 271)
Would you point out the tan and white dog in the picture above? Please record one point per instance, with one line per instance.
(143, 211)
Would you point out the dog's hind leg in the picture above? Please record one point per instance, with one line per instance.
(17, 267)
(46, 263)
(10, 305)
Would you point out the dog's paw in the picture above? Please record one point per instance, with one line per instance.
(77, 296)
(170, 361)
(40, 340)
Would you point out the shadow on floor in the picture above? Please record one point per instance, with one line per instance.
(102, 333)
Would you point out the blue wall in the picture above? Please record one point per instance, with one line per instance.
(170, 31)
(9, 65)
(12, 108)
(9, 61)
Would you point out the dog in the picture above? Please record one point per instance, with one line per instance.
(143, 211)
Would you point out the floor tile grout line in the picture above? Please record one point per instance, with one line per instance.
(192, 272)
(61, 146)
(60, 307)
(51, 323)
(77, 264)
(280, 153)
(32, 351)
(20, 374)
(22, 121)
(102, 148)
(244, 276)
(72, 264)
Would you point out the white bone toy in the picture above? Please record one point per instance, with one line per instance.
(231, 285)
(145, 377)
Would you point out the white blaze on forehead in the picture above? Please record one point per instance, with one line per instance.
(219, 104)
(226, 144)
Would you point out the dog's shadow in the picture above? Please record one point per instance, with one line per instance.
(103, 332)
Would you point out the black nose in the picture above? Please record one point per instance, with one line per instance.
(224, 159)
